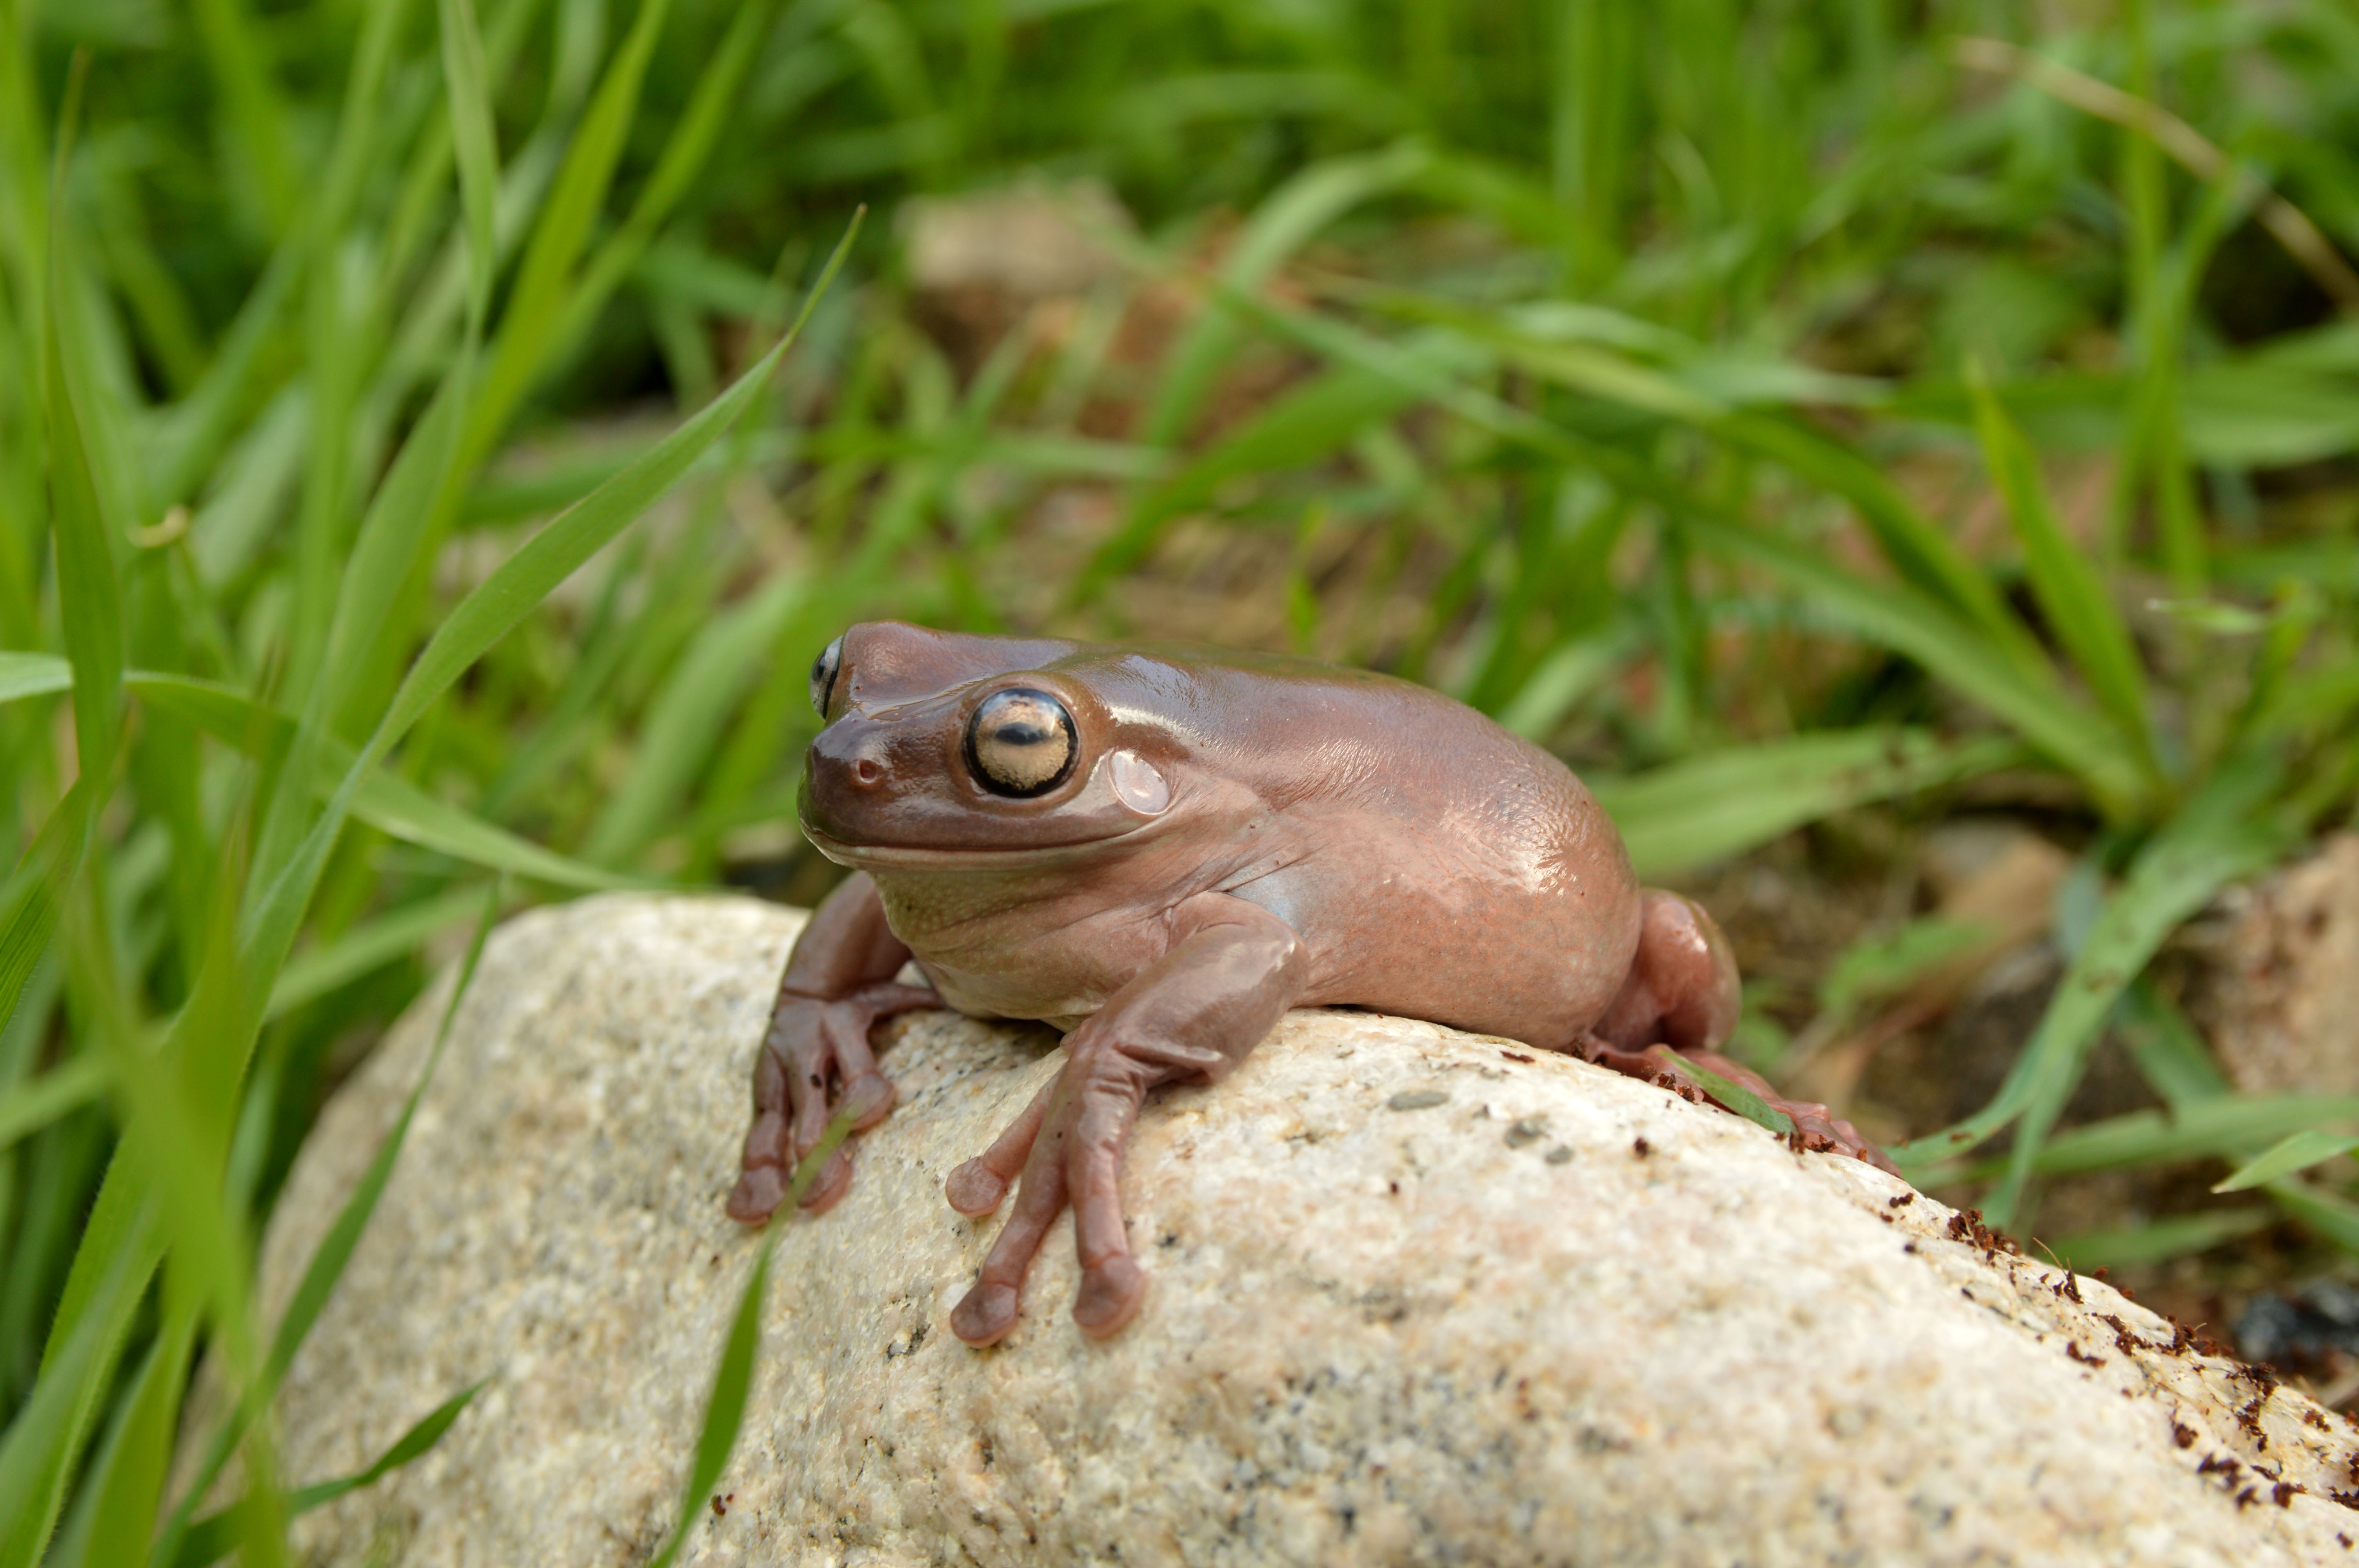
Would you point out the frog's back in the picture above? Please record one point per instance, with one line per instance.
(1440, 866)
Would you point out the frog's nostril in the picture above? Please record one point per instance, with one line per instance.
(866, 770)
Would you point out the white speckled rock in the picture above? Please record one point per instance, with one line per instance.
(1375, 1336)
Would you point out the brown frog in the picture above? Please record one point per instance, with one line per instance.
(1160, 849)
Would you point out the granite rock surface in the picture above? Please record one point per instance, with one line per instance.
(1419, 1297)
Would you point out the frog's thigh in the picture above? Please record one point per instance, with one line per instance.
(1682, 987)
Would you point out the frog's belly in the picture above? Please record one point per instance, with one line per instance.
(999, 996)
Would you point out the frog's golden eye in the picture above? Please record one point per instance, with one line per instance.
(1020, 743)
(823, 673)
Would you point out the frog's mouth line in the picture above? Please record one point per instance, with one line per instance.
(917, 857)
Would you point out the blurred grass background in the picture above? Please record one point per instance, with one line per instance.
(1826, 425)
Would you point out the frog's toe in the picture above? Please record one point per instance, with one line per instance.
(834, 1177)
(1110, 1296)
(986, 1315)
(976, 1189)
(760, 1190)
(869, 1098)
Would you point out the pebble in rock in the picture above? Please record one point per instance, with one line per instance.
(1419, 1297)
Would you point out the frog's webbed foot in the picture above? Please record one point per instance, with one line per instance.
(1068, 1146)
(1815, 1128)
(816, 1062)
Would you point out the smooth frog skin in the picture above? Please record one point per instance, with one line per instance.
(1160, 849)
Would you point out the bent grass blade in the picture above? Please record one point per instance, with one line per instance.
(733, 1379)
(320, 1274)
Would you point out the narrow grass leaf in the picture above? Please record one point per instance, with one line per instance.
(676, 741)
(90, 601)
(2089, 745)
(38, 1453)
(2231, 1127)
(2161, 1241)
(366, 947)
(1734, 1095)
(28, 1108)
(551, 556)
(2079, 612)
(385, 801)
(1709, 807)
(1919, 550)
(216, 1535)
(2223, 833)
(685, 154)
(115, 1507)
(536, 301)
(2166, 1050)
(475, 144)
(1279, 227)
(1896, 616)
(33, 674)
(2293, 1152)
(1298, 428)
(733, 1379)
(2333, 1218)
(33, 894)
(331, 1256)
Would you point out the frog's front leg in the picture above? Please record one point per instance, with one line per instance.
(815, 1058)
(1232, 970)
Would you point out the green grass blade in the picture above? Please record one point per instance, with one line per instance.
(330, 1258)
(2089, 745)
(38, 1453)
(536, 301)
(2224, 832)
(34, 892)
(384, 801)
(1919, 550)
(1283, 224)
(733, 1379)
(115, 1509)
(676, 741)
(475, 142)
(2331, 1216)
(1299, 426)
(33, 674)
(391, 805)
(2161, 1241)
(28, 1108)
(2079, 612)
(690, 147)
(255, 108)
(2166, 1050)
(366, 947)
(1895, 616)
(551, 556)
(2229, 1128)
(1734, 1095)
(724, 1410)
(2294, 1152)
(216, 1535)
(1710, 808)
(89, 599)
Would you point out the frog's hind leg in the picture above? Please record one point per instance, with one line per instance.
(1682, 994)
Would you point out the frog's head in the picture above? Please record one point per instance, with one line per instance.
(950, 751)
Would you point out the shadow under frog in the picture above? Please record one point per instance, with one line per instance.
(1162, 848)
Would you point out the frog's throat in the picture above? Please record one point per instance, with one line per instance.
(912, 856)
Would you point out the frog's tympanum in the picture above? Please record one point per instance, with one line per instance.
(1160, 849)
